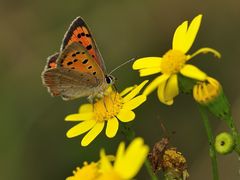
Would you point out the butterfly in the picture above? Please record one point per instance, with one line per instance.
(78, 70)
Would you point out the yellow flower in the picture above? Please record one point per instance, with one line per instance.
(174, 62)
(87, 172)
(112, 107)
(127, 163)
(124, 166)
(207, 91)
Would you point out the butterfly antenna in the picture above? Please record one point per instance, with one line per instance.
(130, 60)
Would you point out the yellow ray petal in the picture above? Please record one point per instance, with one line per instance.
(204, 51)
(80, 128)
(147, 62)
(179, 36)
(161, 94)
(79, 117)
(193, 72)
(155, 83)
(86, 108)
(92, 134)
(149, 71)
(191, 33)
(119, 155)
(127, 90)
(134, 92)
(135, 102)
(105, 163)
(126, 115)
(129, 165)
(171, 89)
(112, 127)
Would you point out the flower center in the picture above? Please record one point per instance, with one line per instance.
(108, 107)
(173, 61)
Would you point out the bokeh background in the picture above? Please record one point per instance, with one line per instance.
(33, 144)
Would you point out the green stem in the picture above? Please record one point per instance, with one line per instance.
(235, 134)
(149, 170)
(212, 151)
(130, 134)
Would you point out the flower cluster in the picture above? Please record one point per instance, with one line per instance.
(176, 75)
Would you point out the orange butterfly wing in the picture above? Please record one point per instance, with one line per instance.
(79, 32)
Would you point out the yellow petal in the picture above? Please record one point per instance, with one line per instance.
(127, 90)
(105, 163)
(120, 154)
(193, 72)
(79, 117)
(184, 36)
(112, 127)
(149, 71)
(179, 36)
(135, 91)
(92, 134)
(80, 128)
(86, 108)
(161, 94)
(192, 32)
(155, 83)
(125, 115)
(129, 165)
(204, 51)
(171, 89)
(135, 102)
(147, 62)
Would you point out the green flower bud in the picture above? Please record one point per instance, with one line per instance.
(224, 143)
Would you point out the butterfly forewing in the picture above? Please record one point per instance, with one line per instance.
(76, 75)
(79, 32)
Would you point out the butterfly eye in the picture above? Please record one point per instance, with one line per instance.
(109, 79)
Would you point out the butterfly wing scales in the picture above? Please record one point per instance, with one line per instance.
(79, 32)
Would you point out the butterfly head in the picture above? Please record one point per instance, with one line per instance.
(110, 79)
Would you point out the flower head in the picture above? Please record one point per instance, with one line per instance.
(124, 166)
(206, 91)
(127, 163)
(87, 172)
(173, 62)
(110, 109)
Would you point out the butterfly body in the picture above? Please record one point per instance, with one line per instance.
(78, 69)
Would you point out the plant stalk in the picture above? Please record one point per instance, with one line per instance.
(212, 152)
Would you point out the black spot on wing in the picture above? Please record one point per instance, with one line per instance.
(89, 47)
(85, 61)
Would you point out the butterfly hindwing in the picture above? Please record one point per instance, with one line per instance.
(79, 32)
(68, 83)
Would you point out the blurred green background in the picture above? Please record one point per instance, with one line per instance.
(32, 131)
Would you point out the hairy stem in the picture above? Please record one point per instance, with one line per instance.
(212, 151)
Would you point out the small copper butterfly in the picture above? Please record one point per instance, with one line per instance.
(78, 70)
